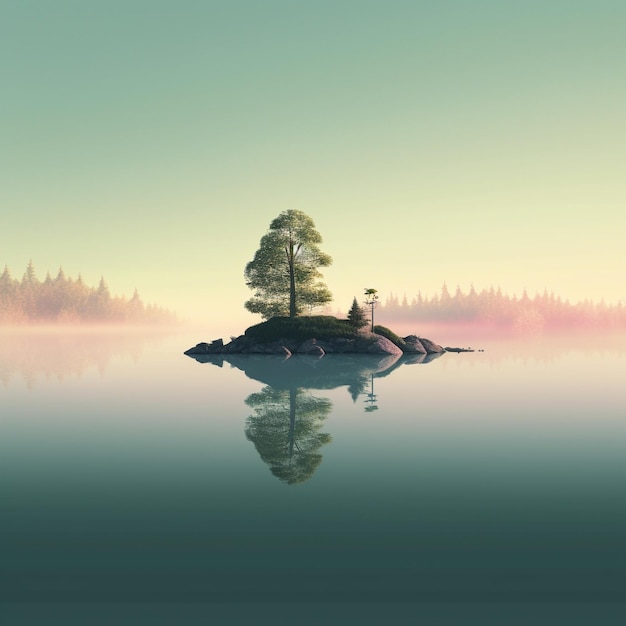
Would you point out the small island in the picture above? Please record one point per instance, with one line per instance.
(284, 276)
(316, 335)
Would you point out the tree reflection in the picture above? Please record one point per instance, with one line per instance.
(285, 431)
(370, 397)
(285, 425)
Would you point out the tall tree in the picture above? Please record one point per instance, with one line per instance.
(30, 278)
(29, 288)
(283, 272)
(371, 300)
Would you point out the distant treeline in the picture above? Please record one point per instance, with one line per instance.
(66, 300)
(525, 313)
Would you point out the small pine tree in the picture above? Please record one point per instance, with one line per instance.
(356, 315)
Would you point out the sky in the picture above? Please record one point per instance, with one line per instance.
(152, 142)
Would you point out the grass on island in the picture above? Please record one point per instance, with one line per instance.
(389, 334)
(317, 326)
(301, 328)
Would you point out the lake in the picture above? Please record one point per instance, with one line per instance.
(138, 482)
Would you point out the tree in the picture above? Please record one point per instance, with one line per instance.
(28, 291)
(30, 279)
(8, 290)
(371, 299)
(356, 315)
(283, 272)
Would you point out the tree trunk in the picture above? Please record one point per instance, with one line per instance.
(292, 281)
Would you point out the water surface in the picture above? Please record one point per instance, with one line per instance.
(130, 473)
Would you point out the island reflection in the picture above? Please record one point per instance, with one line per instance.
(312, 372)
(287, 419)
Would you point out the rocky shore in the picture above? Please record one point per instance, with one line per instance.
(366, 343)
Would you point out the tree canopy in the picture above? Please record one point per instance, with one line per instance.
(284, 271)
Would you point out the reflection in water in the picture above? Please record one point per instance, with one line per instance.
(284, 430)
(309, 372)
(471, 484)
(370, 397)
(287, 418)
(32, 352)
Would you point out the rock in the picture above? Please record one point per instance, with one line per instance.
(317, 351)
(382, 345)
(414, 345)
(273, 347)
(215, 347)
(310, 346)
(430, 346)
(237, 345)
(367, 343)
(199, 348)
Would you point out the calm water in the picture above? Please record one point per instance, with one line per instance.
(132, 475)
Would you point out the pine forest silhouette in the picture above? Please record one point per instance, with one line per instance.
(544, 311)
(66, 300)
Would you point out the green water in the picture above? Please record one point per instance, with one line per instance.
(140, 477)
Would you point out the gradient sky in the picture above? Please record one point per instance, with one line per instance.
(153, 141)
